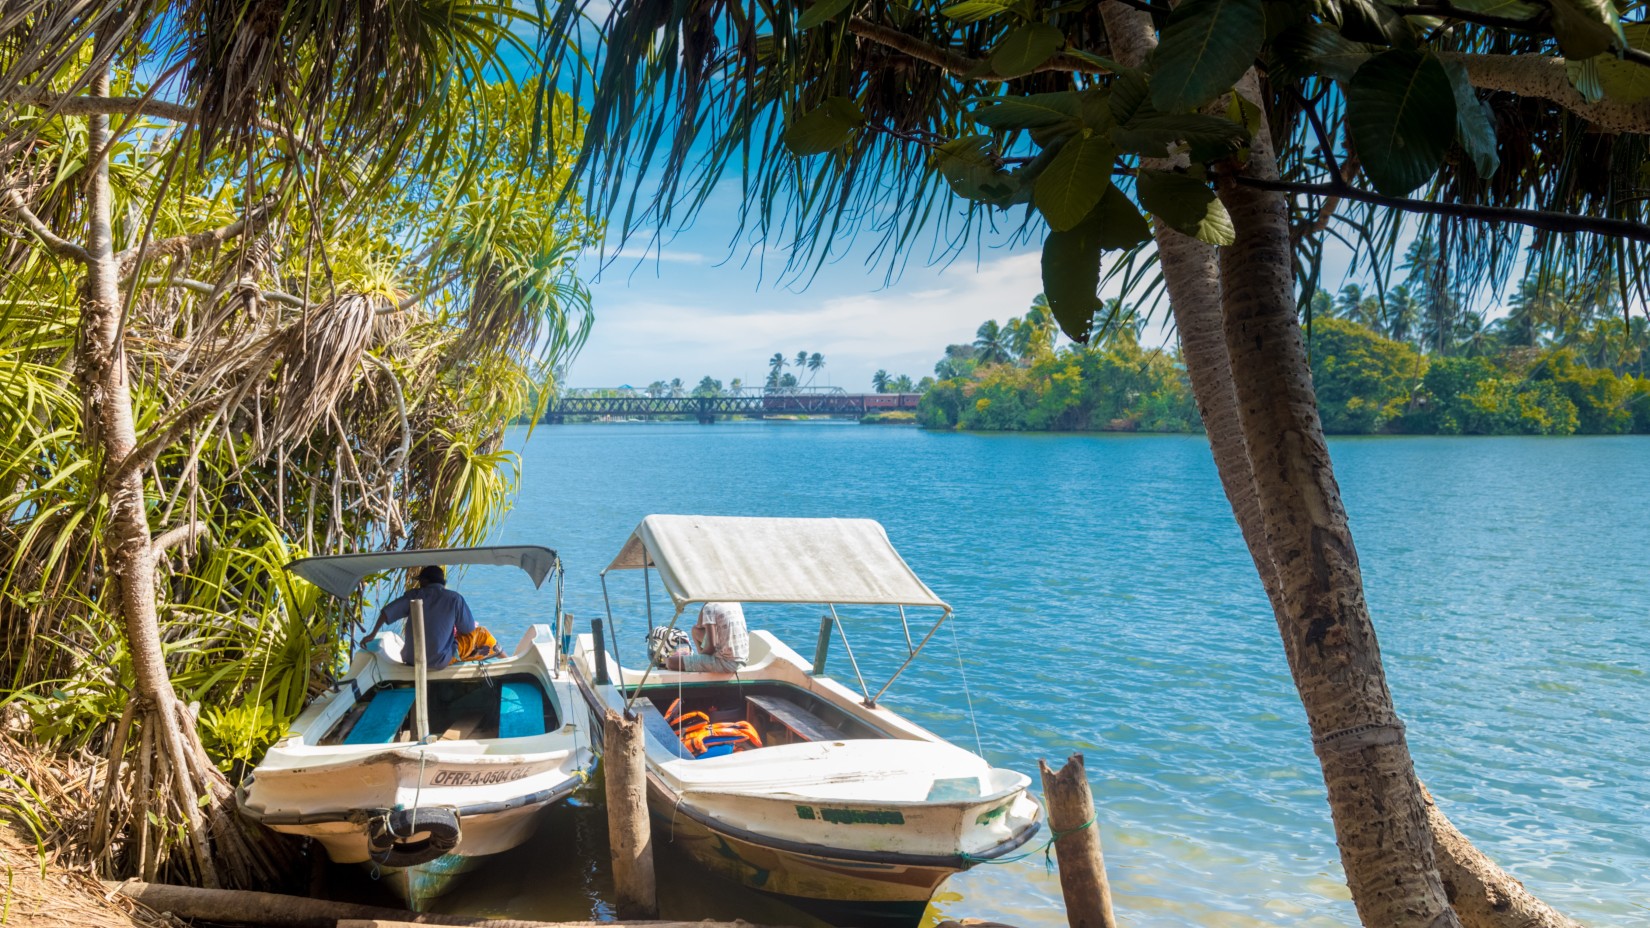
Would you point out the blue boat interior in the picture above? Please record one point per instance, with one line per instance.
(512, 706)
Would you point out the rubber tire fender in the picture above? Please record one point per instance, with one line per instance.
(387, 848)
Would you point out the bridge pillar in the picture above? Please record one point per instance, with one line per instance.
(707, 411)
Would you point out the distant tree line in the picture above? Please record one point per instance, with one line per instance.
(1013, 378)
(1561, 362)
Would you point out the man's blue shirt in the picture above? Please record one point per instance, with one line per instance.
(446, 614)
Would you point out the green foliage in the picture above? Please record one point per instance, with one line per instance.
(1115, 386)
(1400, 108)
(1205, 47)
(1187, 205)
(1363, 381)
(236, 736)
(430, 310)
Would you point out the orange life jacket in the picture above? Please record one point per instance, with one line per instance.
(699, 734)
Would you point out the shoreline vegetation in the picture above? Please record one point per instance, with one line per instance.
(1553, 366)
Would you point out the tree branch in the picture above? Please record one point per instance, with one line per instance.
(201, 286)
(71, 105)
(1535, 219)
(197, 241)
(1543, 77)
(1539, 25)
(178, 534)
(50, 239)
(954, 62)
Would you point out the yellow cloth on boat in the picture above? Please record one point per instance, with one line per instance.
(477, 645)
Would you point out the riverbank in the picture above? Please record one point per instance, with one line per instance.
(37, 893)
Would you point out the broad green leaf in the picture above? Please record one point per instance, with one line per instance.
(824, 127)
(971, 170)
(1097, 60)
(972, 11)
(1314, 48)
(1583, 77)
(822, 11)
(1512, 9)
(1071, 260)
(1400, 109)
(1371, 21)
(1474, 124)
(1186, 205)
(1206, 47)
(1073, 182)
(1153, 135)
(1025, 48)
(1034, 111)
(1606, 77)
(1585, 28)
(1128, 94)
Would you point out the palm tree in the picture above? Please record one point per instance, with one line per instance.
(676, 386)
(657, 389)
(901, 384)
(1403, 314)
(1245, 355)
(991, 343)
(801, 362)
(879, 381)
(340, 364)
(776, 366)
(735, 385)
(816, 363)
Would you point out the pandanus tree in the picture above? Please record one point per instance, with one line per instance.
(301, 276)
(1231, 139)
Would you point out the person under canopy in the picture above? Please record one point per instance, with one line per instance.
(721, 637)
(450, 630)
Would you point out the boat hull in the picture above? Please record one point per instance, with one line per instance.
(486, 793)
(816, 835)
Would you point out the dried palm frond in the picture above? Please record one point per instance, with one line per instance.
(321, 359)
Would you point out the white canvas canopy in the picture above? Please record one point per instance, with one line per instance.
(340, 574)
(755, 560)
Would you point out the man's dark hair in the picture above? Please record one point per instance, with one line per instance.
(432, 574)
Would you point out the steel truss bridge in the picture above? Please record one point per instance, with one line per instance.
(708, 409)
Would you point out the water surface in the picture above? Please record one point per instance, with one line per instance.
(1105, 604)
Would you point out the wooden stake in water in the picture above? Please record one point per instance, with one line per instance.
(421, 670)
(628, 828)
(1077, 845)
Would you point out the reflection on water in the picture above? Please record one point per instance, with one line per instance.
(1105, 604)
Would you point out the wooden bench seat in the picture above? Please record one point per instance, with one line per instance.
(793, 718)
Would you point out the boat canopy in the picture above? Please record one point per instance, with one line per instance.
(753, 560)
(340, 574)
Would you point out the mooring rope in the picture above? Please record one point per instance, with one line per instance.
(1047, 848)
(956, 645)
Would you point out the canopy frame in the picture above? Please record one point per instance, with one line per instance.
(341, 575)
(642, 552)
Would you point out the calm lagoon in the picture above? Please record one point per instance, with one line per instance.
(1105, 604)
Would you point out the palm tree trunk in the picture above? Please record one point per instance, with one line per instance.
(1482, 894)
(179, 773)
(1374, 797)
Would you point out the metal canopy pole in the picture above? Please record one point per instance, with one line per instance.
(421, 671)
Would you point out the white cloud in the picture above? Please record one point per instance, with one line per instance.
(640, 339)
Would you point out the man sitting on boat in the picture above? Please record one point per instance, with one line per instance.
(724, 644)
(450, 631)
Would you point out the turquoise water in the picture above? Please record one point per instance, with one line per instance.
(1105, 604)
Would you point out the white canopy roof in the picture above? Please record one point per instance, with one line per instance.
(748, 560)
(339, 574)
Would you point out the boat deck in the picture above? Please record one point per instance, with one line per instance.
(512, 706)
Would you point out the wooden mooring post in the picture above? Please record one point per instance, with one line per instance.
(1077, 845)
(628, 828)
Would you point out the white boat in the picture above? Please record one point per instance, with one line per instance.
(845, 809)
(417, 774)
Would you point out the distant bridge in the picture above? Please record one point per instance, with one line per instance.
(708, 409)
